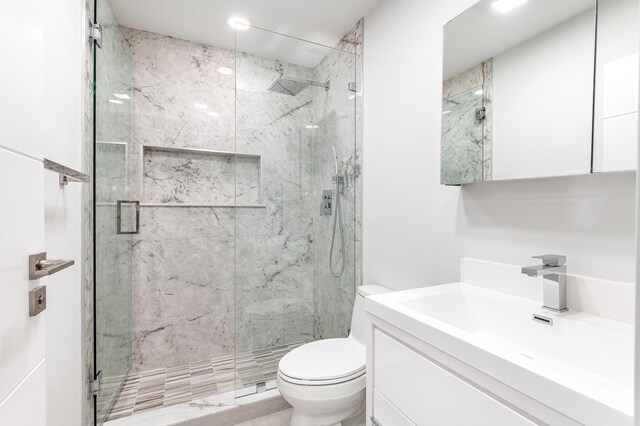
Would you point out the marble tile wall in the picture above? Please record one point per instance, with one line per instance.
(274, 244)
(466, 141)
(338, 114)
(183, 257)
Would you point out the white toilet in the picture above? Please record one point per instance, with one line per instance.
(325, 380)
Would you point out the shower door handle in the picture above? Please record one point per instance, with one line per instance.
(136, 207)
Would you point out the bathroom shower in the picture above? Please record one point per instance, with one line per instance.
(246, 206)
(337, 222)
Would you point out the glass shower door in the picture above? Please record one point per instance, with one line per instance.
(115, 217)
(295, 113)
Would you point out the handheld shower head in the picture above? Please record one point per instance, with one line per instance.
(335, 158)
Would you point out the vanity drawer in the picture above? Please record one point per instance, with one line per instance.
(385, 414)
(429, 395)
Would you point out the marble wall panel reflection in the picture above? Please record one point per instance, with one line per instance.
(337, 114)
(466, 145)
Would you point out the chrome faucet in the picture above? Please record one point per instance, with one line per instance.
(554, 287)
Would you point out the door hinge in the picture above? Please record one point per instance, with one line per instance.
(481, 113)
(352, 86)
(95, 33)
(96, 384)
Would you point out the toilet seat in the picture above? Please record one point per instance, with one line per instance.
(324, 362)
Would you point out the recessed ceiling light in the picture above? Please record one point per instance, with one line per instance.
(121, 96)
(478, 92)
(214, 114)
(239, 23)
(199, 106)
(115, 101)
(504, 6)
(225, 71)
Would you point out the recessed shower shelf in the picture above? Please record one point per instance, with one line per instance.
(197, 177)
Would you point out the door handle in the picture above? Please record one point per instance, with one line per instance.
(136, 205)
(40, 266)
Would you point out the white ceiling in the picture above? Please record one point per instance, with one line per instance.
(481, 32)
(205, 21)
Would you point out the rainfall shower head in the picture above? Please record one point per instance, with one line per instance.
(293, 86)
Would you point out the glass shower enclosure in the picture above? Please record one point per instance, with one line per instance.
(113, 135)
(295, 111)
(225, 187)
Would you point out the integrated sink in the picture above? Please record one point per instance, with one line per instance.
(576, 363)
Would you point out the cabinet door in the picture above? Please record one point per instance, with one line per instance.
(386, 414)
(429, 395)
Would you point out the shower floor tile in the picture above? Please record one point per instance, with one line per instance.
(163, 387)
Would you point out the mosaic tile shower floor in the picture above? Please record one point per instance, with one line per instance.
(163, 387)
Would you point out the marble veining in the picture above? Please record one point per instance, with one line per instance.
(466, 140)
(338, 114)
(190, 177)
(274, 244)
(183, 259)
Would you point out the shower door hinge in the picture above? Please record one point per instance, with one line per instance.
(481, 113)
(352, 86)
(95, 33)
(96, 384)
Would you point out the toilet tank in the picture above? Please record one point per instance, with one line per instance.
(358, 316)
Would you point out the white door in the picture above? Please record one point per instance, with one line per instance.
(22, 338)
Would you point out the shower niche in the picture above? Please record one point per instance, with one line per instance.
(200, 177)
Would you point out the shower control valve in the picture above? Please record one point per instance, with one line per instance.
(325, 205)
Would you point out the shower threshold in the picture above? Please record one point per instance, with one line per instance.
(163, 387)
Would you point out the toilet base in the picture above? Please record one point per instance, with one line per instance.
(356, 419)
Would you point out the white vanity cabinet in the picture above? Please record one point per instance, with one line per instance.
(459, 354)
(410, 389)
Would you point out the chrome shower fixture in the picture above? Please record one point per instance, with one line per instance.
(338, 227)
(293, 86)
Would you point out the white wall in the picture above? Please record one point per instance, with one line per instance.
(63, 115)
(414, 230)
(409, 220)
(534, 134)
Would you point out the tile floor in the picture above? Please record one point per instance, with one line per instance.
(163, 387)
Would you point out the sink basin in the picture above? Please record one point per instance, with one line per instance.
(579, 364)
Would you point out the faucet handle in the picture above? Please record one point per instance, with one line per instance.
(552, 259)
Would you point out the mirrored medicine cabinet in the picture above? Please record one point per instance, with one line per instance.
(539, 88)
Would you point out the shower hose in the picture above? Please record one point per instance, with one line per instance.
(337, 223)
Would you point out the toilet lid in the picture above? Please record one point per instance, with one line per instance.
(324, 360)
